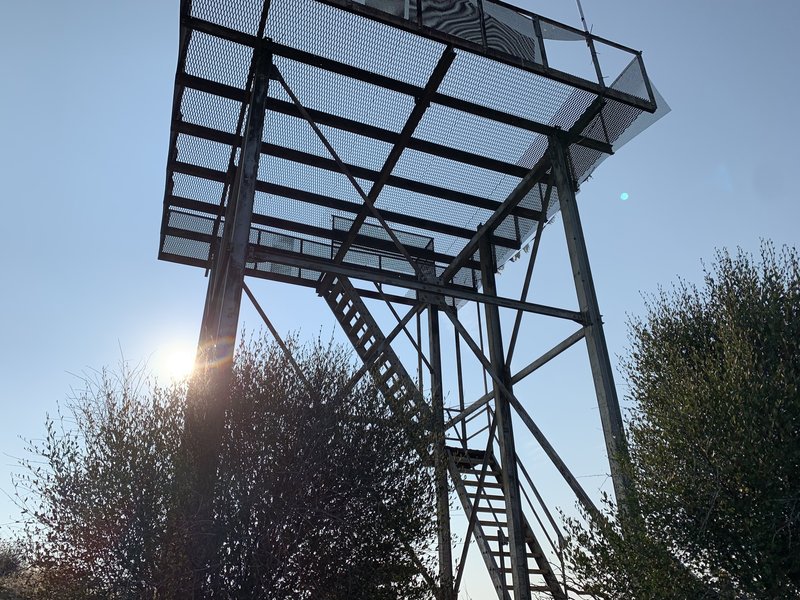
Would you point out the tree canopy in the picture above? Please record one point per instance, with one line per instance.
(319, 495)
(714, 382)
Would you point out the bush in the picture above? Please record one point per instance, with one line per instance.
(317, 496)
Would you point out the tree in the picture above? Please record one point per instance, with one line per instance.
(319, 495)
(714, 376)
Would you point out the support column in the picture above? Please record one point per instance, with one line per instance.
(440, 459)
(221, 314)
(607, 401)
(505, 433)
(208, 395)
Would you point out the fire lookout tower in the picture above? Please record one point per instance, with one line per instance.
(400, 152)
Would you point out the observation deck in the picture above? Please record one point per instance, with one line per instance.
(443, 108)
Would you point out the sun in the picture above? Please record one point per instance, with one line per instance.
(174, 362)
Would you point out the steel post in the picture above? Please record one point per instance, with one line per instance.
(221, 316)
(505, 433)
(610, 415)
(208, 392)
(440, 458)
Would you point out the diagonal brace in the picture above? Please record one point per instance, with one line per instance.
(529, 273)
(554, 457)
(410, 337)
(284, 348)
(421, 105)
(369, 204)
(516, 196)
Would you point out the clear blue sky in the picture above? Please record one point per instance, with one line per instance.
(84, 121)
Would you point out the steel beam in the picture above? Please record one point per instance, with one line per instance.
(440, 459)
(368, 274)
(209, 390)
(572, 80)
(369, 201)
(607, 401)
(327, 164)
(351, 126)
(385, 174)
(312, 160)
(282, 191)
(505, 432)
(537, 433)
(221, 314)
(534, 176)
(394, 84)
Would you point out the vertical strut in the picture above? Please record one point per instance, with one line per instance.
(508, 459)
(207, 397)
(610, 415)
(440, 458)
(223, 300)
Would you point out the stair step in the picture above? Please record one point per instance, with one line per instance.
(497, 553)
(508, 570)
(339, 307)
(458, 451)
(485, 496)
(495, 524)
(476, 472)
(470, 460)
(385, 376)
(355, 327)
(490, 509)
(486, 484)
(363, 340)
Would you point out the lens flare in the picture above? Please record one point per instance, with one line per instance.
(624, 196)
(174, 362)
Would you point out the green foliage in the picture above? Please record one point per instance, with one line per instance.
(12, 558)
(98, 491)
(714, 377)
(318, 496)
(12, 566)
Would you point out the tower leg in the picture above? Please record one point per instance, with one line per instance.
(208, 393)
(508, 456)
(440, 459)
(610, 415)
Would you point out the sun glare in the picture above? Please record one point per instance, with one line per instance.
(174, 362)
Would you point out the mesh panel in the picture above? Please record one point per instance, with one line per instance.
(524, 94)
(302, 195)
(218, 60)
(460, 18)
(339, 35)
(203, 153)
(511, 32)
(632, 81)
(242, 15)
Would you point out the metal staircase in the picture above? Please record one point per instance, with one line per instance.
(483, 493)
(391, 377)
(480, 489)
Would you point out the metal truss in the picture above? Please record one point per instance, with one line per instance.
(496, 493)
(512, 526)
